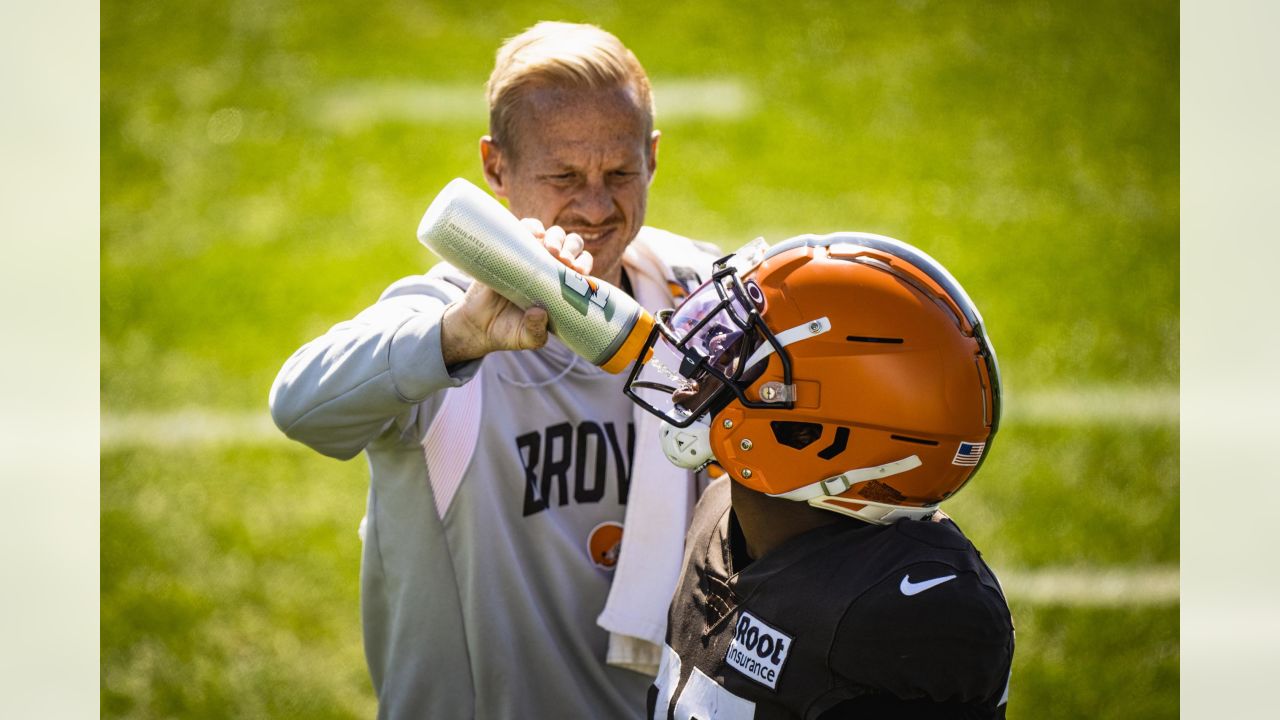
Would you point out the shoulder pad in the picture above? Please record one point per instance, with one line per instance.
(941, 534)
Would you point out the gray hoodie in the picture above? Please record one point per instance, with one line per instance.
(495, 505)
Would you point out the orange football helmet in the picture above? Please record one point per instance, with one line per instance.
(849, 371)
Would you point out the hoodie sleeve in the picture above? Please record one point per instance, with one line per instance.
(342, 390)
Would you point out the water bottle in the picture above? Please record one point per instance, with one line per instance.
(475, 233)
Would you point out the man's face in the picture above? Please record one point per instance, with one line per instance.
(582, 161)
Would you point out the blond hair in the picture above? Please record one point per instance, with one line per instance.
(566, 55)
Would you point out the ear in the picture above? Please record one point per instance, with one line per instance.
(495, 166)
(653, 153)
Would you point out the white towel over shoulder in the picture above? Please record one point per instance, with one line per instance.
(662, 496)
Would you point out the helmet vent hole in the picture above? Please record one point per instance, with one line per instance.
(798, 435)
(918, 441)
(868, 339)
(837, 445)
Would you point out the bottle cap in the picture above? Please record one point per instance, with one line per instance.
(630, 347)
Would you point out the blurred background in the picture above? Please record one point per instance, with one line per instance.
(264, 165)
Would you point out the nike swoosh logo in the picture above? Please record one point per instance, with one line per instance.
(909, 588)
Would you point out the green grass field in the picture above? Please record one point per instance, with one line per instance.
(264, 166)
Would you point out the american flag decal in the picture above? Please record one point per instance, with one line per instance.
(968, 454)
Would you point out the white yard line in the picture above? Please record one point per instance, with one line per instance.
(356, 106)
(707, 98)
(1094, 405)
(190, 426)
(1099, 587)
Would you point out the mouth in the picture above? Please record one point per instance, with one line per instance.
(686, 392)
(594, 237)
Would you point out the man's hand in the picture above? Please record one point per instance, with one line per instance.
(484, 321)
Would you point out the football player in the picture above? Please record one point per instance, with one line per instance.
(845, 385)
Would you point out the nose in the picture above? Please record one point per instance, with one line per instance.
(594, 203)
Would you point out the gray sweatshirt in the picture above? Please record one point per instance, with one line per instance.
(495, 507)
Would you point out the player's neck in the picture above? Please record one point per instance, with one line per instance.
(768, 522)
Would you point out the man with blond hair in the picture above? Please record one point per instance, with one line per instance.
(492, 579)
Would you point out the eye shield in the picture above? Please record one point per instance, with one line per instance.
(704, 353)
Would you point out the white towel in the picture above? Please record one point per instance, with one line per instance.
(660, 501)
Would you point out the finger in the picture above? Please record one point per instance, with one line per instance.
(533, 329)
(584, 262)
(573, 246)
(553, 240)
(534, 225)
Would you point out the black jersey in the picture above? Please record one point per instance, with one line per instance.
(847, 620)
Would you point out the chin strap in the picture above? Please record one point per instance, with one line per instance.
(872, 512)
(822, 494)
(845, 480)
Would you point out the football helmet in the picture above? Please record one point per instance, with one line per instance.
(850, 371)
